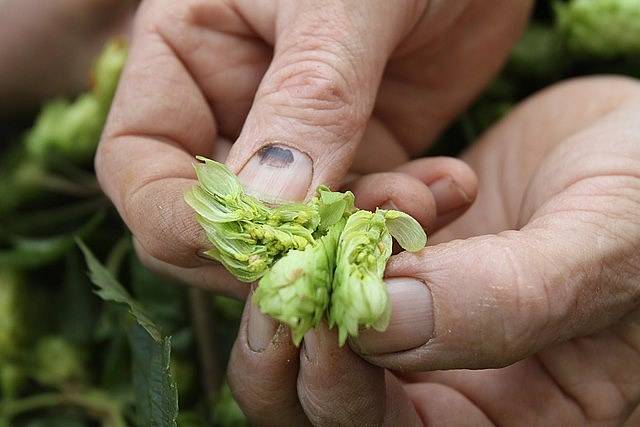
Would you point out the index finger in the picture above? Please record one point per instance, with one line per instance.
(159, 120)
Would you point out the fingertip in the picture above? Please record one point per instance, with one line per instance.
(397, 191)
(452, 181)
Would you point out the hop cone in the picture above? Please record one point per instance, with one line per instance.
(296, 290)
(359, 295)
(600, 28)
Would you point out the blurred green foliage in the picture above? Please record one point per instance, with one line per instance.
(69, 358)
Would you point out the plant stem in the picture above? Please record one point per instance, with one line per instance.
(96, 405)
(204, 327)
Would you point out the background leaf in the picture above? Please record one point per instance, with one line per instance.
(155, 389)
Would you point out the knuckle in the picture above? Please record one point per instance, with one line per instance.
(330, 404)
(162, 224)
(317, 88)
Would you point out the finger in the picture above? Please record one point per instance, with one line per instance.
(336, 387)
(453, 184)
(263, 371)
(435, 190)
(312, 105)
(159, 119)
(212, 276)
(162, 116)
(494, 300)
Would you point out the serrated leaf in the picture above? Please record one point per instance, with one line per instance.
(154, 385)
(109, 289)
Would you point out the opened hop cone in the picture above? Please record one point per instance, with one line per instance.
(315, 260)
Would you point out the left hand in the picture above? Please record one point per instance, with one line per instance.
(548, 291)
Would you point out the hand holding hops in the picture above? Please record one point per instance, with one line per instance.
(314, 260)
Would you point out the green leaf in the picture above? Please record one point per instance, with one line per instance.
(154, 386)
(77, 321)
(406, 230)
(216, 178)
(109, 289)
(33, 253)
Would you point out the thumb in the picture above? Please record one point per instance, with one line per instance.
(314, 101)
(492, 300)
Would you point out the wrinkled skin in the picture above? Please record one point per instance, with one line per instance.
(558, 294)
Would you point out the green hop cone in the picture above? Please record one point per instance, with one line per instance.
(72, 129)
(359, 295)
(600, 28)
(296, 289)
(56, 362)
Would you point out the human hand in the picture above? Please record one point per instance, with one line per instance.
(542, 286)
(298, 86)
(47, 47)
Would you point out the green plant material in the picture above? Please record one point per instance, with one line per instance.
(77, 321)
(296, 270)
(109, 289)
(57, 362)
(359, 295)
(247, 235)
(185, 374)
(296, 289)
(191, 419)
(538, 55)
(228, 308)
(12, 380)
(29, 253)
(13, 300)
(600, 28)
(72, 129)
(94, 403)
(226, 412)
(154, 386)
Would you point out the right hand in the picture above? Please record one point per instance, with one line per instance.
(298, 86)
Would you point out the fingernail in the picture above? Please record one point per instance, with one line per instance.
(277, 173)
(318, 339)
(448, 195)
(411, 323)
(261, 329)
